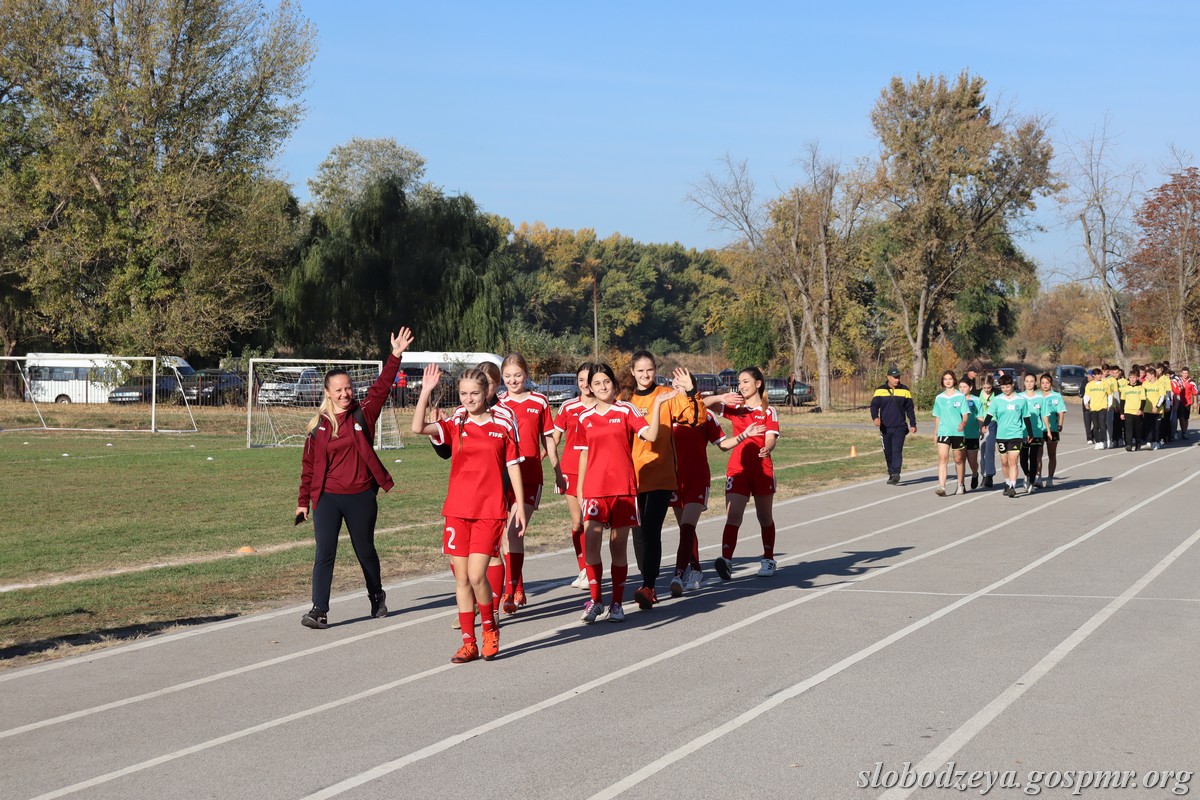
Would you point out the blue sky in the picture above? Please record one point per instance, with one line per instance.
(603, 115)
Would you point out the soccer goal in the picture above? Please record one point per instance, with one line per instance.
(286, 393)
(94, 392)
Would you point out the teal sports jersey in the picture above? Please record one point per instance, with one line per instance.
(1010, 414)
(974, 407)
(949, 412)
(1055, 405)
(1037, 412)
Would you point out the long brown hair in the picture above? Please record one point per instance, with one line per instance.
(756, 373)
(326, 409)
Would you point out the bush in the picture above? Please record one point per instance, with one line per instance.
(925, 390)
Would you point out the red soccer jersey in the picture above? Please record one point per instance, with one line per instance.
(533, 419)
(744, 457)
(481, 454)
(691, 450)
(608, 440)
(568, 423)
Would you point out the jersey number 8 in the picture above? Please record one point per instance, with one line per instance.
(591, 508)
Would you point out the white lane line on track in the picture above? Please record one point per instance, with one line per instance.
(972, 727)
(447, 743)
(800, 688)
(380, 631)
(1025, 596)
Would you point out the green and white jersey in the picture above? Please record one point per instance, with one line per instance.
(974, 407)
(949, 410)
(1055, 405)
(1010, 412)
(1036, 404)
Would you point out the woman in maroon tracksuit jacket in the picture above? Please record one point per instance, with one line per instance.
(340, 478)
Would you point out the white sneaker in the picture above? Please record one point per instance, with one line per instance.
(766, 568)
(940, 491)
(1098, 446)
(677, 586)
(591, 612)
(582, 581)
(958, 487)
(692, 579)
(614, 614)
(1030, 487)
(1048, 483)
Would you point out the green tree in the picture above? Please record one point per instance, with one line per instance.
(147, 217)
(348, 170)
(952, 175)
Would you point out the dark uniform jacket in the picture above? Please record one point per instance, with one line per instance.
(891, 407)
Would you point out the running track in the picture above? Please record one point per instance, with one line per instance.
(1056, 631)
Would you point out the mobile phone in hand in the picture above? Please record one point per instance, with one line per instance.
(299, 519)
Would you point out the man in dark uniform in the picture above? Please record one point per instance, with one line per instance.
(891, 407)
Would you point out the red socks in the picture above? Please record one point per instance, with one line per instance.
(577, 543)
(466, 621)
(488, 615)
(595, 573)
(688, 544)
(619, 573)
(768, 537)
(513, 562)
(495, 579)
(729, 540)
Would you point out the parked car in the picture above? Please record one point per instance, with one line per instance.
(1069, 379)
(802, 393)
(777, 391)
(706, 384)
(141, 388)
(293, 386)
(214, 387)
(560, 388)
(727, 377)
(530, 386)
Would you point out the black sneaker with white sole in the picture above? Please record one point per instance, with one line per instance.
(724, 568)
(315, 618)
(378, 607)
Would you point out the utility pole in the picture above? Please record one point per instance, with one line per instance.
(595, 322)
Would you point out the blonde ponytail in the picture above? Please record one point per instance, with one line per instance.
(326, 408)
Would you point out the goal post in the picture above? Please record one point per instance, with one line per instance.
(285, 393)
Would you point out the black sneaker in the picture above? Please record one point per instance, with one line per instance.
(894, 478)
(315, 618)
(378, 608)
(975, 481)
(723, 567)
(987, 481)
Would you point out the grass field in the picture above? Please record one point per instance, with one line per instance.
(127, 533)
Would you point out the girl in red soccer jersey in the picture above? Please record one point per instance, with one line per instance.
(607, 485)
(690, 500)
(566, 425)
(484, 450)
(535, 435)
(750, 472)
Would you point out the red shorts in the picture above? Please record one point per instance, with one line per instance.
(572, 484)
(531, 479)
(463, 537)
(613, 512)
(750, 484)
(690, 495)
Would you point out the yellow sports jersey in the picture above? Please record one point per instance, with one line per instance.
(1154, 395)
(1135, 399)
(1111, 383)
(1097, 394)
(1122, 385)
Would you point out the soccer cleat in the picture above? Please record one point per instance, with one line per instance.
(582, 581)
(692, 579)
(644, 597)
(316, 619)
(491, 644)
(508, 605)
(519, 598)
(468, 652)
(940, 491)
(677, 586)
(614, 613)
(974, 481)
(724, 568)
(378, 607)
(766, 568)
(591, 610)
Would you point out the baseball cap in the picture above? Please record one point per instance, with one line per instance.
(893, 373)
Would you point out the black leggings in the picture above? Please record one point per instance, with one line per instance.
(1031, 460)
(359, 511)
(647, 546)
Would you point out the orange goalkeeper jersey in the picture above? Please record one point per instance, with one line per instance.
(654, 462)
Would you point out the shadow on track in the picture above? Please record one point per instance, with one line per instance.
(106, 636)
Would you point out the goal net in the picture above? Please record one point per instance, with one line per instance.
(286, 393)
(93, 392)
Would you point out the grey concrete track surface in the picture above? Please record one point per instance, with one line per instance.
(1048, 633)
